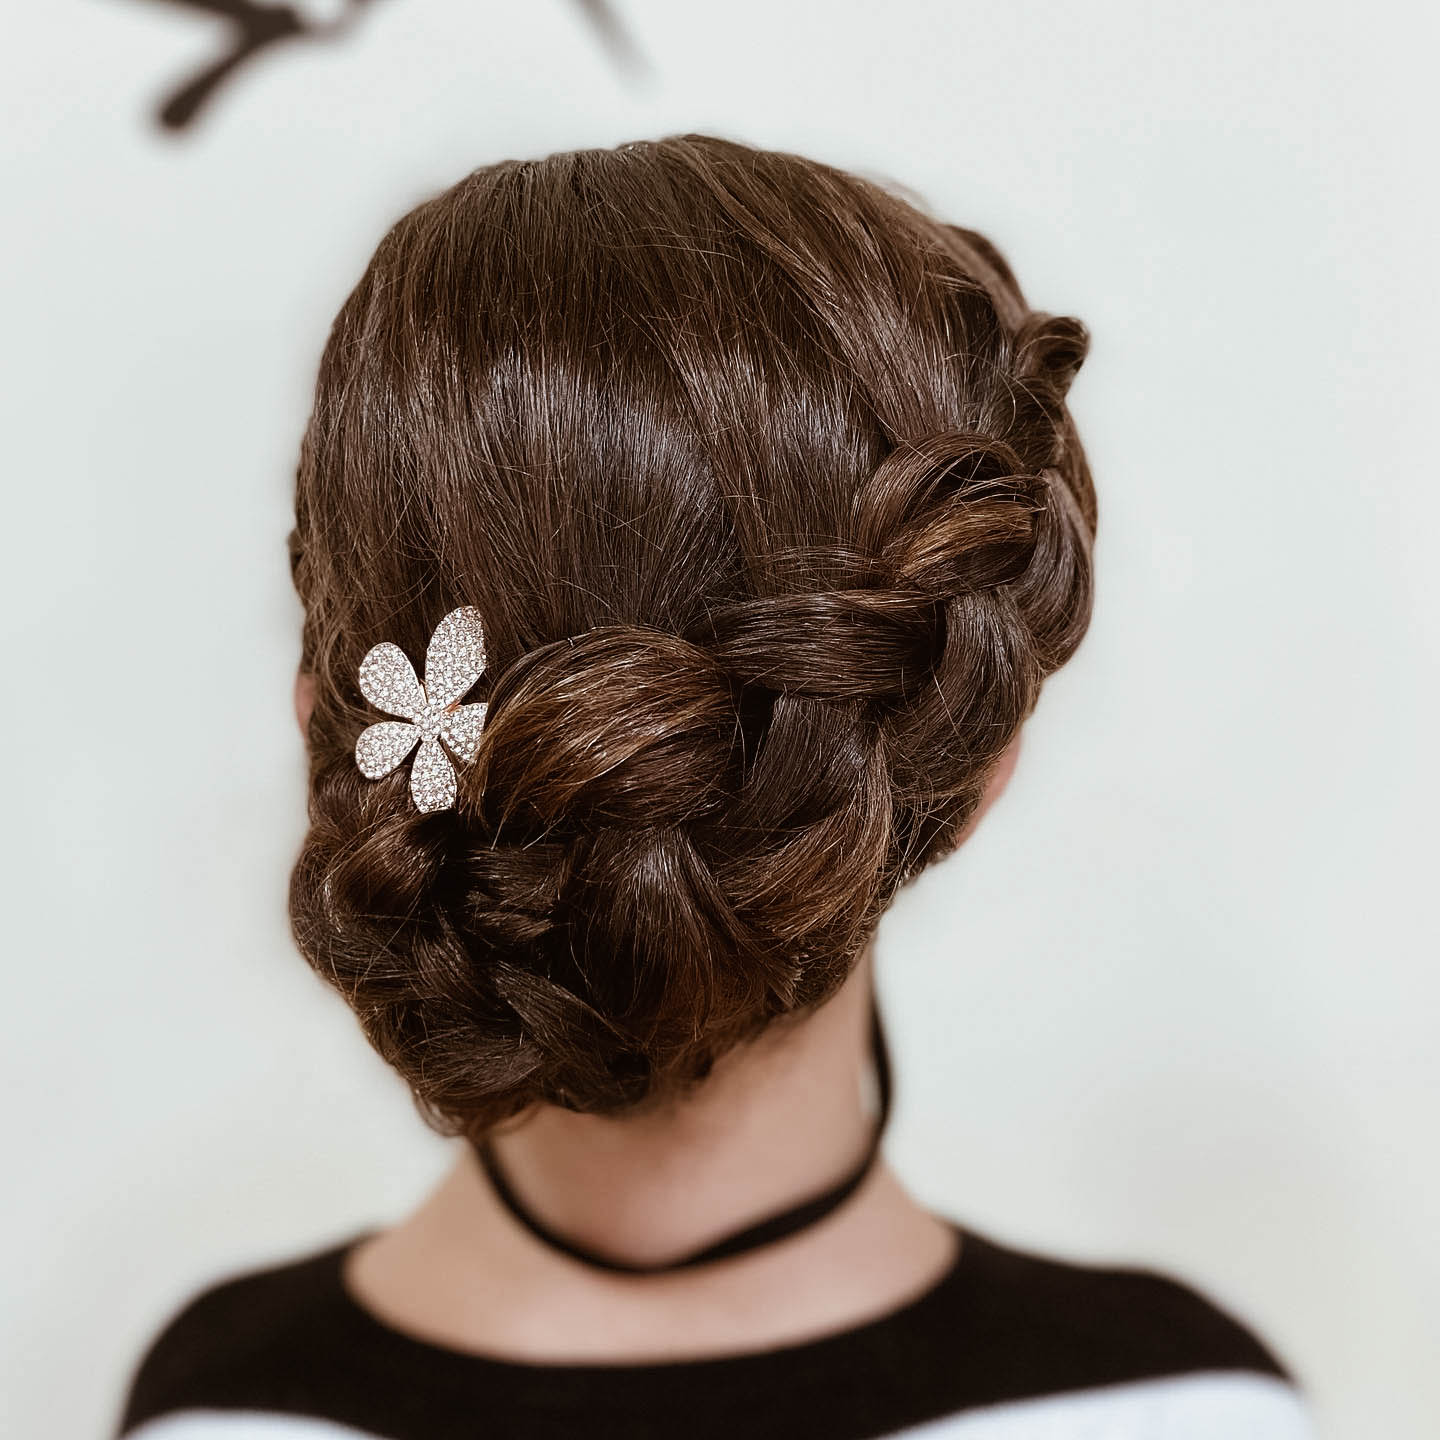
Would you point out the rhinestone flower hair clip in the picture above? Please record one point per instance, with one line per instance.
(429, 714)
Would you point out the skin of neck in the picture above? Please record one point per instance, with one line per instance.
(775, 1122)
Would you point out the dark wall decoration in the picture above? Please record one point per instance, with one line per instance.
(257, 29)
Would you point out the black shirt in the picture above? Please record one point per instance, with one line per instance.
(1005, 1344)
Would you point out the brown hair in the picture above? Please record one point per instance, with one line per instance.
(764, 486)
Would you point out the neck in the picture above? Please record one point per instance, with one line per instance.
(776, 1122)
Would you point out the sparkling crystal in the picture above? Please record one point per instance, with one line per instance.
(432, 778)
(383, 746)
(387, 681)
(461, 729)
(431, 721)
(455, 658)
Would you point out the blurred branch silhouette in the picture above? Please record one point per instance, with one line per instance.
(613, 35)
(258, 27)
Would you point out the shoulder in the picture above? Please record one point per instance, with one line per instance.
(263, 1339)
(1133, 1349)
(1101, 1321)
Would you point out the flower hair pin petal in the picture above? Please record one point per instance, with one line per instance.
(429, 713)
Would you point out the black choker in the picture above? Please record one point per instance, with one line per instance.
(763, 1232)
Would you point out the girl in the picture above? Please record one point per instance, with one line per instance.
(684, 532)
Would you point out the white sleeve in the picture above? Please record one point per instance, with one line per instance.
(242, 1425)
(1193, 1407)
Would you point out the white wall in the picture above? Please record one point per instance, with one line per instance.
(1175, 1002)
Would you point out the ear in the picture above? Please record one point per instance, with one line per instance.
(304, 700)
(994, 787)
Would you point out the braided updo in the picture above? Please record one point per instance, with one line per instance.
(763, 484)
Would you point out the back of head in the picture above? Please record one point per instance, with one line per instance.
(764, 488)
